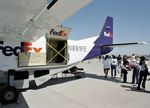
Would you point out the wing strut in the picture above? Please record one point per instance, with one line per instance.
(51, 4)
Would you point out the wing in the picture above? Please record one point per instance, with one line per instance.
(29, 19)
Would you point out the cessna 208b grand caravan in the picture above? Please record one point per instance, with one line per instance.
(34, 48)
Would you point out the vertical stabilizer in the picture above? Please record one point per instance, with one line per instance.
(105, 38)
(106, 35)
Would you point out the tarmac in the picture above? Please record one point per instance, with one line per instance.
(91, 91)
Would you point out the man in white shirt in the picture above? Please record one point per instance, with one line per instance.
(114, 64)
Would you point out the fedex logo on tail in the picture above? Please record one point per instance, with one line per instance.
(24, 47)
(107, 34)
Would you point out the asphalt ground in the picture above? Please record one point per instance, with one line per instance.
(91, 91)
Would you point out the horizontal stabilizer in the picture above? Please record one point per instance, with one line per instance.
(124, 44)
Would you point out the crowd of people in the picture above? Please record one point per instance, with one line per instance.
(123, 64)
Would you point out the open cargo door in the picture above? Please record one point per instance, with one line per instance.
(57, 46)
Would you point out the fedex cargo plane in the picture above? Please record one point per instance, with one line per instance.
(35, 47)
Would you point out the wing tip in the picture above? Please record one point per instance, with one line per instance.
(143, 43)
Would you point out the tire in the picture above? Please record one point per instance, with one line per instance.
(8, 95)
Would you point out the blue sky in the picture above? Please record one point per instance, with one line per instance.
(131, 22)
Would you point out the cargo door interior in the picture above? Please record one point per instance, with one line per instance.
(56, 51)
(57, 48)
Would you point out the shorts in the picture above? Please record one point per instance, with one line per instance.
(106, 69)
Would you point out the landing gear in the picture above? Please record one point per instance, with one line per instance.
(8, 94)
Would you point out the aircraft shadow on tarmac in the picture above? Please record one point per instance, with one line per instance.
(100, 77)
(61, 80)
(54, 81)
(65, 79)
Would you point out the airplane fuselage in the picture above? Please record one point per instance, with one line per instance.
(9, 51)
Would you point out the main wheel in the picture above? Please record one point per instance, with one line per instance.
(8, 94)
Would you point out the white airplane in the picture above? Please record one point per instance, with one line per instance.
(34, 48)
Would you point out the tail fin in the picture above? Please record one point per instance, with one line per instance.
(105, 38)
(106, 35)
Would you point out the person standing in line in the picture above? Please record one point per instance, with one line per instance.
(136, 70)
(114, 64)
(133, 58)
(143, 73)
(124, 70)
(106, 65)
(119, 58)
(124, 58)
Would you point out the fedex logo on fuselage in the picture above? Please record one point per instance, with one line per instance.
(58, 33)
(24, 47)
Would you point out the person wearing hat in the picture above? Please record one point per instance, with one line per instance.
(143, 73)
